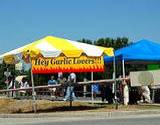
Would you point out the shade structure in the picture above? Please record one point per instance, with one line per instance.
(61, 49)
(143, 50)
(53, 47)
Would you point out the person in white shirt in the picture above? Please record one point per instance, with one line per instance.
(146, 94)
(126, 94)
(72, 77)
(23, 84)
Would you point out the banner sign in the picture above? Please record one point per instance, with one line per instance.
(68, 64)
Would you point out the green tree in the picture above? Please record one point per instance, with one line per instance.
(110, 42)
(85, 41)
(2, 77)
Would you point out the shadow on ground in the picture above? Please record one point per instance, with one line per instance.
(68, 108)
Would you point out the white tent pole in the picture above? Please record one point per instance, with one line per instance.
(33, 89)
(84, 88)
(7, 80)
(91, 85)
(123, 82)
(125, 87)
(114, 76)
(123, 69)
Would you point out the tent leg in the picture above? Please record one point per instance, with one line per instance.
(91, 86)
(153, 95)
(114, 77)
(7, 83)
(33, 91)
(125, 87)
(84, 88)
(123, 68)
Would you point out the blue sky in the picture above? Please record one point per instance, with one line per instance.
(23, 21)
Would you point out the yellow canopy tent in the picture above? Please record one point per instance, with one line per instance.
(53, 47)
(69, 56)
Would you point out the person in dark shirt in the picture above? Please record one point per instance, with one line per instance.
(51, 82)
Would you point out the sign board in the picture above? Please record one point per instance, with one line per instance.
(140, 78)
(7, 74)
(68, 64)
(9, 59)
(153, 66)
(19, 66)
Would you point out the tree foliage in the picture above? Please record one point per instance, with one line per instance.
(85, 41)
(110, 42)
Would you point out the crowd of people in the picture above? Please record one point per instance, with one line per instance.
(67, 87)
(11, 83)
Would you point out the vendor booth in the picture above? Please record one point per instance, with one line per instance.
(53, 55)
(143, 51)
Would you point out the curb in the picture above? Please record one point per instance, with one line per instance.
(82, 114)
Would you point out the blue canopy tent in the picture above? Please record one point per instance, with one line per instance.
(143, 50)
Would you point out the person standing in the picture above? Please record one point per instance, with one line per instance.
(23, 85)
(11, 85)
(62, 82)
(95, 89)
(70, 95)
(106, 93)
(126, 94)
(145, 94)
(125, 91)
(51, 82)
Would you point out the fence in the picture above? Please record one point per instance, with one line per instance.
(104, 81)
